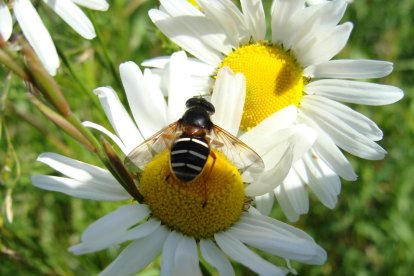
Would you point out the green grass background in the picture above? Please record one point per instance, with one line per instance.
(370, 232)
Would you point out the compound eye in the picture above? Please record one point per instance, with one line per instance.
(201, 102)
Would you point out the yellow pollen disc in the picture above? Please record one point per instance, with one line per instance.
(200, 208)
(274, 80)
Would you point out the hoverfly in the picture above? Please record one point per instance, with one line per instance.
(190, 141)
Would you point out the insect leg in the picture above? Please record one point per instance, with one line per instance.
(213, 155)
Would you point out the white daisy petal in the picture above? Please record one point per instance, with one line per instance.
(355, 91)
(264, 203)
(177, 29)
(168, 253)
(73, 16)
(344, 135)
(76, 169)
(239, 252)
(98, 5)
(215, 257)
(178, 85)
(228, 99)
(270, 179)
(105, 241)
(228, 16)
(323, 181)
(6, 22)
(346, 115)
(296, 192)
(114, 228)
(282, 13)
(85, 190)
(313, 22)
(328, 151)
(117, 221)
(37, 34)
(186, 257)
(254, 16)
(285, 204)
(348, 68)
(266, 234)
(326, 46)
(138, 254)
(148, 107)
(113, 137)
(197, 68)
(270, 127)
(119, 118)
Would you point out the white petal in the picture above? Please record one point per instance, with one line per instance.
(270, 179)
(37, 35)
(326, 46)
(138, 254)
(346, 115)
(198, 25)
(264, 203)
(240, 253)
(314, 253)
(6, 22)
(73, 16)
(313, 22)
(117, 221)
(147, 106)
(269, 127)
(119, 118)
(178, 85)
(76, 169)
(228, 99)
(350, 69)
(99, 5)
(229, 17)
(344, 135)
(186, 257)
(180, 31)
(328, 150)
(285, 204)
(168, 253)
(113, 137)
(283, 13)
(355, 91)
(215, 257)
(322, 180)
(85, 190)
(115, 228)
(296, 193)
(302, 140)
(254, 16)
(198, 68)
(265, 234)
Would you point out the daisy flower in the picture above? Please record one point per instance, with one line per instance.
(37, 34)
(172, 221)
(294, 67)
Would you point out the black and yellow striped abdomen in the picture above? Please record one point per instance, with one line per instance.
(188, 156)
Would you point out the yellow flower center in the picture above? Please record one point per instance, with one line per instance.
(200, 208)
(274, 80)
(194, 3)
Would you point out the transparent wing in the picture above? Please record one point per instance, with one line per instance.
(146, 151)
(240, 154)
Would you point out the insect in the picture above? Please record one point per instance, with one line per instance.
(190, 141)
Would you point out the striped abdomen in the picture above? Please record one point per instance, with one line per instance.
(188, 156)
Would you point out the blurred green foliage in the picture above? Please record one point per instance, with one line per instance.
(370, 232)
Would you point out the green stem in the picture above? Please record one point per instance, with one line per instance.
(12, 65)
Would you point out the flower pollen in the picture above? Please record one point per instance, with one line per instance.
(200, 208)
(274, 80)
